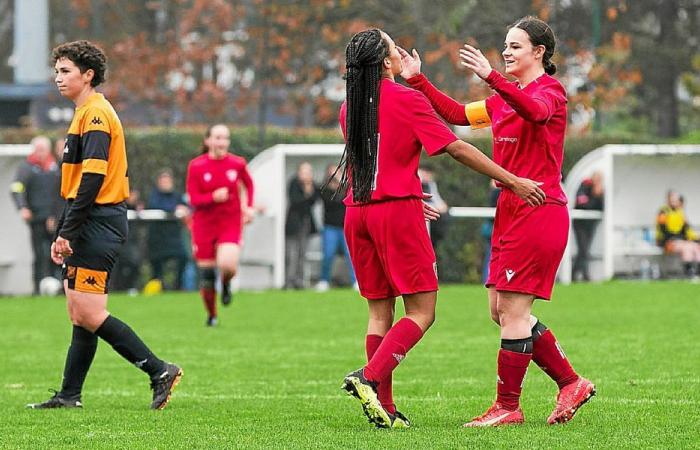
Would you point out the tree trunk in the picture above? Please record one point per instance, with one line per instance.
(666, 84)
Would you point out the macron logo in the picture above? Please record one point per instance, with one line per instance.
(398, 357)
(510, 273)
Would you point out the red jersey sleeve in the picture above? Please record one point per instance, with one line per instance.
(432, 132)
(248, 184)
(450, 109)
(194, 190)
(539, 107)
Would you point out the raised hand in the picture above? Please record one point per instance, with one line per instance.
(410, 63)
(473, 59)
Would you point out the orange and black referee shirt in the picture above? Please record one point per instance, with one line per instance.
(95, 144)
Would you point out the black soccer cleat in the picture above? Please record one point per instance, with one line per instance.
(356, 385)
(164, 385)
(212, 321)
(226, 294)
(57, 402)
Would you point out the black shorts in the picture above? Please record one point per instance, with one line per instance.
(96, 249)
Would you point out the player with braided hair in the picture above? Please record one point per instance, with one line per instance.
(529, 125)
(385, 127)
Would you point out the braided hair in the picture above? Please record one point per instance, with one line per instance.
(363, 58)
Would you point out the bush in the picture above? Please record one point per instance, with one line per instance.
(459, 254)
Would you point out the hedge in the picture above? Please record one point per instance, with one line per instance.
(459, 254)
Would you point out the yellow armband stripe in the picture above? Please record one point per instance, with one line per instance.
(477, 114)
(95, 166)
(17, 187)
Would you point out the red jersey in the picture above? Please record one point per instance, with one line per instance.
(529, 127)
(205, 175)
(407, 123)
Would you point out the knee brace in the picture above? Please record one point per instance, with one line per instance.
(207, 278)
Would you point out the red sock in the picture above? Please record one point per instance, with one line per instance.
(209, 297)
(398, 341)
(549, 356)
(384, 390)
(512, 367)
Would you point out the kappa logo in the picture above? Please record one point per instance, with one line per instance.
(398, 357)
(96, 121)
(510, 273)
(90, 280)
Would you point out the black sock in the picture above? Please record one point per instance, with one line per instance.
(517, 345)
(688, 268)
(537, 330)
(130, 346)
(81, 352)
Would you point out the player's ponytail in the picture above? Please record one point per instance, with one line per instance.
(204, 148)
(540, 34)
(363, 58)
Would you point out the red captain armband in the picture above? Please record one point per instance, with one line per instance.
(477, 114)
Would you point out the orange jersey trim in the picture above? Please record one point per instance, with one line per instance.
(95, 166)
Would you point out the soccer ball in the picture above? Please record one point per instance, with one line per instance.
(50, 286)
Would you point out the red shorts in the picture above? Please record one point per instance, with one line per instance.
(527, 246)
(390, 248)
(207, 234)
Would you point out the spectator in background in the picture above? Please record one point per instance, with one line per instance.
(165, 240)
(36, 196)
(302, 193)
(125, 276)
(333, 235)
(675, 235)
(590, 196)
(438, 228)
(487, 230)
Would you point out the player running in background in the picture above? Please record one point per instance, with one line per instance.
(385, 127)
(528, 119)
(214, 179)
(93, 228)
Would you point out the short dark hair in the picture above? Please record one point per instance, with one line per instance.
(85, 55)
(540, 34)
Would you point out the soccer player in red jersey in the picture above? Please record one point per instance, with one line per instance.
(528, 120)
(386, 125)
(214, 180)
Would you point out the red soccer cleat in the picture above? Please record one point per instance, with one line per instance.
(570, 398)
(496, 416)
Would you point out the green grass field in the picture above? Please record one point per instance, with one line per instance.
(269, 376)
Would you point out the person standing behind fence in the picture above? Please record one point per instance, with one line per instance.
(333, 237)
(528, 119)
(590, 196)
(214, 181)
(675, 235)
(35, 193)
(165, 241)
(438, 228)
(302, 193)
